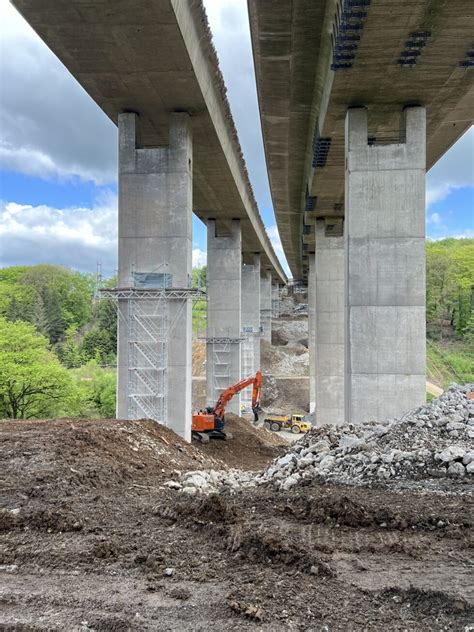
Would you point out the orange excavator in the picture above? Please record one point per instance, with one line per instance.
(210, 423)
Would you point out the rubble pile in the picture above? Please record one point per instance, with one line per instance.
(207, 481)
(430, 442)
(433, 442)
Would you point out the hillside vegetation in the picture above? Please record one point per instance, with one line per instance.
(58, 343)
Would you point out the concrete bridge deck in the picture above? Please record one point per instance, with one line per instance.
(307, 81)
(155, 57)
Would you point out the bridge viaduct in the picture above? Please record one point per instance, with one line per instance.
(358, 98)
(151, 66)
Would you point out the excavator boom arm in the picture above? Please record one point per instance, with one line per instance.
(228, 393)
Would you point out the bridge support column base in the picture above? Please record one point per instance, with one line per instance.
(385, 269)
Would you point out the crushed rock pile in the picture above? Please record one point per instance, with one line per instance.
(433, 442)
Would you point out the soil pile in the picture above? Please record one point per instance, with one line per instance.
(250, 448)
(42, 459)
(432, 443)
(92, 540)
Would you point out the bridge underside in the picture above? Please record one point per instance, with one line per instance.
(314, 60)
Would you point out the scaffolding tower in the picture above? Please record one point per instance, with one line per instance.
(145, 315)
(248, 366)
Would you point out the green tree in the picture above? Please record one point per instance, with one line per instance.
(32, 381)
(97, 390)
(449, 283)
(199, 277)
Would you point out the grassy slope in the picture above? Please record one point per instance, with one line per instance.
(449, 362)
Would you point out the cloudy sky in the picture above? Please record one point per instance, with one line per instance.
(58, 190)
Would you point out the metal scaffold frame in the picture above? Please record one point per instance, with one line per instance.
(248, 366)
(145, 312)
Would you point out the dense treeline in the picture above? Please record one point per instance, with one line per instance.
(58, 343)
(450, 288)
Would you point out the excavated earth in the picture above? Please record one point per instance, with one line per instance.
(91, 540)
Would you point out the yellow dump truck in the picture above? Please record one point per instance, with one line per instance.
(295, 423)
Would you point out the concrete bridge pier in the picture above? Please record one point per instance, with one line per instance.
(266, 305)
(328, 356)
(250, 346)
(155, 249)
(312, 331)
(251, 314)
(385, 269)
(275, 300)
(224, 284)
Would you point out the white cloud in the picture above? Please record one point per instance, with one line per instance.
(75, 237)
(49, 126)
(465, 234)
(199, 258)
(435, 219)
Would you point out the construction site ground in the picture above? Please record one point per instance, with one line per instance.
(91, 540)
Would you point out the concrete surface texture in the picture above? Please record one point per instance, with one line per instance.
(329, 327)
(312, 332)
(266, 305)
(155, 223)
(313, 60)
(155, 58)
(224, 326)
(385, 269)
(251, 316)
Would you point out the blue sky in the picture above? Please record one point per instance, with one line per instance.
(58, 191)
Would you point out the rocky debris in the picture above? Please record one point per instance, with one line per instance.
(302, 308)
(270, 391)
(422, 445)
(288, 329)
(430, 442)
(291, 360)
(209, 481)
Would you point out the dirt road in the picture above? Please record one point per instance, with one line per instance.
(91, 540)
(433, 389)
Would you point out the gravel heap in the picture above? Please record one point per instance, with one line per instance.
(431, 442)
(207, 481)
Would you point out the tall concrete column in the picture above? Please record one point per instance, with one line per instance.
(275, 300)
(266, 305)
(155, 245)
(329, 341)
(312, 331)
(385, 268)
(224, 280)
(251, 309)
(250, 346)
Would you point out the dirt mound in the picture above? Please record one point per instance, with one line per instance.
(89, 454)
(199, 357)
(250, 448)
(94, 540)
